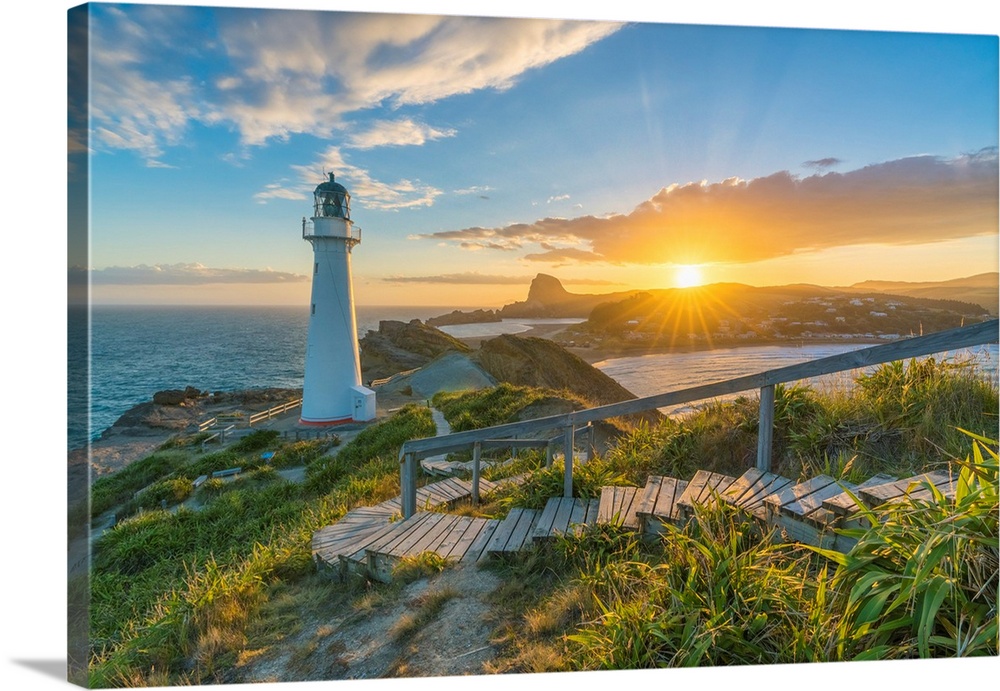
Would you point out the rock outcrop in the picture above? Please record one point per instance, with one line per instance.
(548, 298)
(399, 346)
(530, 361)
(460, 317)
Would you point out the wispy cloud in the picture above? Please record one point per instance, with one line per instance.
(372, 193)
(822, 163)
(405, 132)
(281, 73)
(478, 190)
(467, 278)
(178, 274)
(130, 108)
(916, 200)
(280, 191)
(475, 278)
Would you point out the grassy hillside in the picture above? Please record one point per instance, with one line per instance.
(189, 594)
(175, 595)
(723, 591)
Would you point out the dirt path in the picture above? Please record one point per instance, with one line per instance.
(454, 640)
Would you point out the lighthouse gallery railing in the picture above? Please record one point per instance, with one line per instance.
(413, 450)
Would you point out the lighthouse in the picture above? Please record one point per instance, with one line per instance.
(332, 392)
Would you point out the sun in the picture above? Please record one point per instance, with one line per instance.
(687, 276)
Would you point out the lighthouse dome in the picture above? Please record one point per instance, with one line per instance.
(332, 200)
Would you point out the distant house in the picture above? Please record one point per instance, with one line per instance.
(878, 314)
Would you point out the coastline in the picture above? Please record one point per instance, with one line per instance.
(600, 353)
(114, 451)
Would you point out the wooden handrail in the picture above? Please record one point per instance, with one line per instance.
(953, 339)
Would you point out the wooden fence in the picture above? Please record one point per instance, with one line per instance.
(953, 339)
(271, 412)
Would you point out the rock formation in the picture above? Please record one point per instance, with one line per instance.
(399, 346)
(530, 361)
(548, 298)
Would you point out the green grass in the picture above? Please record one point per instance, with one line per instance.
(467, 410)
(379, 441)
(173, 595)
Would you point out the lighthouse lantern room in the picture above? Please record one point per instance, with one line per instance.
(332, 392)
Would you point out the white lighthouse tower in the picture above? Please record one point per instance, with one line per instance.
(332, 392)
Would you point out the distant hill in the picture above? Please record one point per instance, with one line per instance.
(548, 298)
(981, 289)
(733, 312)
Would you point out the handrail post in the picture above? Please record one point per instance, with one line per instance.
(477, 450)
(568, 462)
(408, 485)
(548, 455)
(765, 428)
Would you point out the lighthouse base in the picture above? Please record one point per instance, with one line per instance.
(326, 423)
(362, 401)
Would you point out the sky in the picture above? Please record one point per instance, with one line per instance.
(481, 151)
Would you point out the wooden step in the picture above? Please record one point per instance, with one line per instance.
(442, 467)
(450, 537)
(513, 531)
(354, 557)
(658, 503)
(788, 508)
(703, 489)
(792, 494)
(565, 516)
(750, 489)
(843, 505)
(618, 506)
(913, 487)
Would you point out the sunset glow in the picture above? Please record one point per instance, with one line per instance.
(688, 276)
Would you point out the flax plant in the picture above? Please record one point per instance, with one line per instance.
(923, 581)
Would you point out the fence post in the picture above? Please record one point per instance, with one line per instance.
(765, 428)
(548, 455)
(477, 450)
(591, 449)
(568, 462)
(408, 485)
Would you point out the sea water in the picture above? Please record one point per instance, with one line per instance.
(648, 375)
(137, 351)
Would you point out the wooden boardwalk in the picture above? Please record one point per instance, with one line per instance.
(372, 540)
(619, 506)
(444, 468)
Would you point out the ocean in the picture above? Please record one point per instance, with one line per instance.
(648, 375)
(137, 351)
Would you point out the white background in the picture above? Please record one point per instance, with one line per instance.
(33, 169)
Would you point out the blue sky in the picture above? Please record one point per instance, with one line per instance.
(480, 152)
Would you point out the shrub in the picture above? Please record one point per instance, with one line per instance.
(109, 491)
(256, 441)
(923, 581)
(381, 440)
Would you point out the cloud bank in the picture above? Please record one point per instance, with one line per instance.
(915, 200)
(178, 274)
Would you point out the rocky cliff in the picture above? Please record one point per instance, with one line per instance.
(399, 346)
(538, 362)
